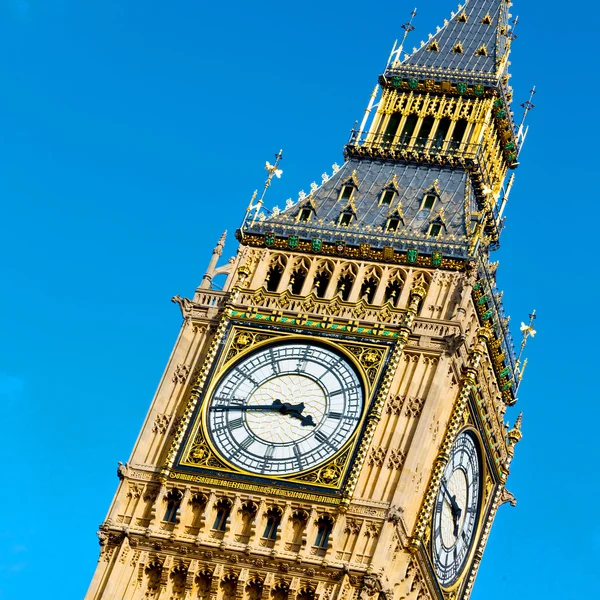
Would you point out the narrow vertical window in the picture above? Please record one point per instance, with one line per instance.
(305, 214)
(324, 528)
(223, 508)
(428, 202)
(387, 197)
(173, 499)
(345, 219)
(434, 229)
(273, 522)
(346, 192)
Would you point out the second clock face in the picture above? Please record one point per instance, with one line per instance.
(457, 510)
(285, 408)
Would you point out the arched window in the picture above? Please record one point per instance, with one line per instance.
(223, 508)
(274, 273)
(280, 591)
(306, 593)
(392, 292)
(273, 521)
(203, 581)
(297, 280)
(344, 287)
(322, 279)
(324, 529)
(173, 499)
(254, 589)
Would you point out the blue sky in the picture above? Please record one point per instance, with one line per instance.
(133, 133)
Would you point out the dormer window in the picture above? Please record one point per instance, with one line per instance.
(428, 202)
(305, 214)
(346, 192)
(387, 197)
(462, 18)
(487, 20)
(393, 224)
(481, 51)
(434, 230)
(458, 49)
(345, 219)
(433, 47)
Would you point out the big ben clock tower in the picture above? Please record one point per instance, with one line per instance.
(331, 424)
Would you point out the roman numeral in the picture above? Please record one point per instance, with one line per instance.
(323, 439)
(243, 445)
(236, 423)
(298, 456)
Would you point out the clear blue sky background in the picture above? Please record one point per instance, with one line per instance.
(133, 133)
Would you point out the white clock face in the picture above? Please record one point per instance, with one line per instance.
(285, 408)
(457, 510)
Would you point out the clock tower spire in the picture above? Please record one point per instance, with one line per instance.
(331, 424)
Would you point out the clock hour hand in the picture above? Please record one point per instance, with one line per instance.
(456, 510)
(294, 411)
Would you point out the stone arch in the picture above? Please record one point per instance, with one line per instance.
(300, 270)
(346, 280)
(323, 274)
(178, 578)
(395, 284)
(370, 283)
(248, 511)
(203, 584)
(173, 501)
(275, 271)
(280, 591)
(254, 588)
(299, 520)
(228, 587)
(153, 572)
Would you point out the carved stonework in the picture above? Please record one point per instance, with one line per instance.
(377, 456)
(394, 404)
(161, 423)
(396, 459)
(414, 406)
(181, 374)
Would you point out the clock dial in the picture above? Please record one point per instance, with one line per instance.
(285, 408)
(457, 509)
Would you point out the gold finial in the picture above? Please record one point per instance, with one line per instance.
(515, 435)
(274, 171)
(528, 331)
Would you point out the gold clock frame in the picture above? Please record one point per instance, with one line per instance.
(484, 495)
(368, 359)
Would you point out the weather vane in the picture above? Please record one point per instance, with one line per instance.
(511, 34)
(273, 171)
(527, 331)
(408, 27)
(396, 53)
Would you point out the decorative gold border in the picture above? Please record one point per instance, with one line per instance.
(484, 498)
(367, 358)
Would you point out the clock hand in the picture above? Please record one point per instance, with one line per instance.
(456, 511)
(285, 408)
(295, 411)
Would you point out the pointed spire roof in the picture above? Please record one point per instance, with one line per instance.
(473, 46)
